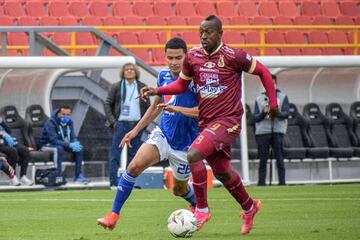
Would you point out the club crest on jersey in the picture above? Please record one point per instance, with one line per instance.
(221, 62)
(209, 65)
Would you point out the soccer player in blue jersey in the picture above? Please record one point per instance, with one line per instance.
(170, 140)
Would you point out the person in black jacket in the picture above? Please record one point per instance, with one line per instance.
(16, 154)
(58, 135)
(123, 110)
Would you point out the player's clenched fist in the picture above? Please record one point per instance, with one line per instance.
(145, 92)
(273, 113)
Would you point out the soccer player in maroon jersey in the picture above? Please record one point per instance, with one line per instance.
(216, 70)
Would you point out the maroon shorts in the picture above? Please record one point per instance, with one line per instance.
(215, 139)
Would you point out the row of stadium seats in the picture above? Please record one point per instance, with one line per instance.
(173, 20)
(156, 55)
(315, 135)
(147, 9)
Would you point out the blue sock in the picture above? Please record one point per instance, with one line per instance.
(189, 196)
(124, 189)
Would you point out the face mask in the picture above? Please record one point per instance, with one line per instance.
(64, 119)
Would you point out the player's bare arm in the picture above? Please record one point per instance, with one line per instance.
(188, 112)
(145, 92)
(151, 113)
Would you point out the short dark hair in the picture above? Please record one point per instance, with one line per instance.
(64, 107)
(176, 43)
(216, 20)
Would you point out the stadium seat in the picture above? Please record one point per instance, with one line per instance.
(338, 37)
(163, 35)
(322, 20)
(330, 9)
(344, 20)
(274, 37)
(143, 9)
(92, 21)
(163, 9)
(155, 20)
(122, 9)
(62, 38)
(252, 37)
(78, 9)
(250, 126)
(133, 21)
(58, 9)
(148, 38)
(205, 8)
(36, 117)
(48, 21)
(316, 37)
(344, 138)
(113, 21)
(159, 56)
(17, 38)
(176, 20)
(85, 38)
(99, 9)
(35, 9)
(143, 54)
(127, 38)
(27, 21)
(310, 8)
(185, 9)
(14, 9)
(294, 37)
(6, 21)
(239, 20)
(268, 9)
(357, 20)
(302, 20)
(233, 37)
(248, 9)
(319, 131)
(282, 20)
(260, 20)
(355, 116)
(68, 21)
(349, 8)
(226, 9)
(191, 37)
(288, 8)
(20, 130)
(296, 139)
(194, 21)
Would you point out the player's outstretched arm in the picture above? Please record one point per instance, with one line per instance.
(188, 112)
(176, 87)
(151, 113)
(269, 86)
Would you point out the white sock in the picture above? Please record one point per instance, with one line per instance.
(203, 210)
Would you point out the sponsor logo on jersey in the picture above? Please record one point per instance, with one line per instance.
(248, 57)
(209, 78)
(221, 62)
(208, 91)
(233, 128)
(209, 65)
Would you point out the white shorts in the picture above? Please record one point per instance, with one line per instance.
(177, 159)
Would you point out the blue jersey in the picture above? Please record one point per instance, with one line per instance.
(180, 131)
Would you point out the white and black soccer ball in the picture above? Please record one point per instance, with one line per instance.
(182, 223)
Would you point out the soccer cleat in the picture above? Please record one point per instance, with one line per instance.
(109, 221)
(191, 208)
(14, 181)
(81, 179)
(25, 181)
(201, 218)
(248, 218)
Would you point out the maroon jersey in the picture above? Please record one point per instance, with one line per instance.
(217, 78)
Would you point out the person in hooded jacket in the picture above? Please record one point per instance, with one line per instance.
(58, 135)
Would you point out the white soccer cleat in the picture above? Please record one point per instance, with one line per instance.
(14, 181)
(26, 181)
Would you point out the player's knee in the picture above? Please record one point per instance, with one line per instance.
(194, 155)
(223, 177)
(178, 191)
(134, 168)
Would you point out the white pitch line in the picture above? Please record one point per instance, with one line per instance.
(168, 200)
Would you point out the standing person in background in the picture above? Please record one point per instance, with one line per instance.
(123, 110)
(16, 154)
(216, 71)
(58, 135)
(270, 133)
(168, 141)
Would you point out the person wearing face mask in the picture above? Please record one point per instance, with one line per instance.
(58, 135)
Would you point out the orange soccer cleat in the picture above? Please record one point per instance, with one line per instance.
(109, 221)
(248, 218)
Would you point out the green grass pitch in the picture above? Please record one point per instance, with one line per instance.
(291, 213)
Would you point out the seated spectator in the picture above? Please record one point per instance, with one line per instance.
(8, 170)
(58, 135)
(16, 154)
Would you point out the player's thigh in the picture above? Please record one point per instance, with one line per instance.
(180, 187)
(179, 165)
(146, 156)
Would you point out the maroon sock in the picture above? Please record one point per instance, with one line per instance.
(199, 175)
(237, 190)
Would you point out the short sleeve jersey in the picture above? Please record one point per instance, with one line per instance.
(217, 78)
(180, 131)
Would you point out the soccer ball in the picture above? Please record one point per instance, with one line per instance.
(182, 223)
